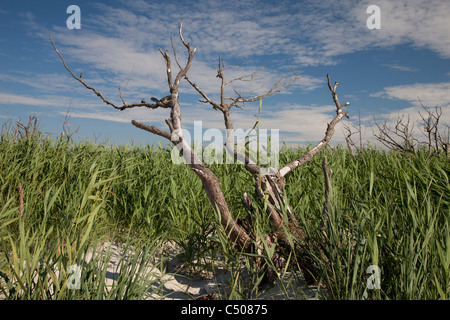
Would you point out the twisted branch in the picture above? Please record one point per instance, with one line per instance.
(328, 134)
(143, 103)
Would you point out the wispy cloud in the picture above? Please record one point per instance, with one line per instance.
(120, 46)
(337, 28)
(98, 116)
(430, 94)
(399, 67)
(29, 19)
(306, 33)
(118, 57)
(300, 123)
(8, 98)
(141, 114)
(55, 82)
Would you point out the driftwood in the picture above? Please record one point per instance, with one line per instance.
(268, 187)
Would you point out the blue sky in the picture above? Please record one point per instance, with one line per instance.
(381, 72)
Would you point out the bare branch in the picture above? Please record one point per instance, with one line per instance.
(210, 182)
(175, 52)
(348, 136)
(152, 129)
(123, 107)
(328, 134)
(203, 94)
(66, 128)
(121, 97)
(249, 77)
(183, 71)
(430, 128)
(169, 124)
(269, 188)
(399, 138)
(126, 87)
(21, 131)
(348, 139)
(339, 107)
(240, 98)
(276, 88)
(166, 57)
(180, 32)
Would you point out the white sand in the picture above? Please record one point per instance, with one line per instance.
(180, 284)
(176, 281)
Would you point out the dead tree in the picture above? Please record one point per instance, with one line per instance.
(436, 142)
(351, 130)
(268, 187)
(67, 131)
(401, 137)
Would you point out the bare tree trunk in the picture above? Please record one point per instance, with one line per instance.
(287, 231)
(211, 184)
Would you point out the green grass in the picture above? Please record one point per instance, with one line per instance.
(388, 209)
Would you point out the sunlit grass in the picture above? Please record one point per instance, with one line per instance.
(387, 209)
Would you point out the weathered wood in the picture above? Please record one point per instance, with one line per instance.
(287, 232)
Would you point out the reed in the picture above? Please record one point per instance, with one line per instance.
(385, 209)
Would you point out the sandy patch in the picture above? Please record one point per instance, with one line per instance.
(170, 278)
(177, 282)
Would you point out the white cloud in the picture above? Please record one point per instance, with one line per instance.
(399, 67)
(118, 57)
(127, 39)
(430, 94)
(8, 98)
(98, 116)
(424, 24)
(51, 101)
(146, 70)
(116, 44)
(296, 122)
(56, 82)
(306, 32)
(327, 30)
(153, 116)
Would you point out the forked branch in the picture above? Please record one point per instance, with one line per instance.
(226, 103)
(340, 113)
(269, 188)
(401, 137)
(159, 103)
(210, 182)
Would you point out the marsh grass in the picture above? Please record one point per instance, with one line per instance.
(387, 209)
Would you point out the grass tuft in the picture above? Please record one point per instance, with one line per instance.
(59, 202)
